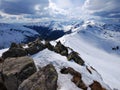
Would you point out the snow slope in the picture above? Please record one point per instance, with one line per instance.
(97, 52)
(64, 81)
(93, 41)
(15, 33)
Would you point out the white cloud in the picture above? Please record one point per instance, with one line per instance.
(67, 9)
(17, 7)
(104, 8)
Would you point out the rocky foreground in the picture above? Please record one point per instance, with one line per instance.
(19, 72)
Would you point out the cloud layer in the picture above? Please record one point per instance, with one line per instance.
(36, 9)
(104, 8)
(17, 7)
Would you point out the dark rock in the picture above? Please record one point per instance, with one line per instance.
(1, 60)
(59, 48)
(74, 56)
(2, 86)
(13, 45)
(35, 47)
(45, 79)
(14, 52)
(96, 86)
(77, 78)
(68, 70)
(115, 48)
(32, 50)
(49, 46)
(16, 70)
(37, 42)
(88, 70)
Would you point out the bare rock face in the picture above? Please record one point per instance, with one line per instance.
(96, 86)
(2, 86)
(15, 50)
(35, 47)
(16, 70)
(1, 60)
(44, 79)
(49, 46)
(74, 56)
(14, 45)
(61, 49)
(77, 78)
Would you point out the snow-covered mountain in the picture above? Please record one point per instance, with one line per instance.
(22, 33)
(52, 30)
(15, 33)
(99, 47)
(98, 44)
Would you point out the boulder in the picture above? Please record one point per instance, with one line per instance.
(2, 86)
(32, 50)
(37, 42)
(77, 78)
(61, 49)
(75, 56)
(35, 47)
(14, 52)
(44, 79)
(14, 45)
(1, 60)
(96, 86)
(16, 70)
(49, 46)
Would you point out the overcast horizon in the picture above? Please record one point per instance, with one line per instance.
(29, 10)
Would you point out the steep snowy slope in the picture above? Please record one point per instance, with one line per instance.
(96, 51)
(102, 35)
(15, 33)
(64, 81)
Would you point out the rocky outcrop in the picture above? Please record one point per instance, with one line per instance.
(1, 59)
(2, 86)
(35, 47)
(77, 78)
(75, 57)
(15, 50)
(96, 86)
(16, 70)
(14, 45)
(44, 79)
(60, 48)
(49, 46)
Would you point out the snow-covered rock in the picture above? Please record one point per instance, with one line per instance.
(97, 52)
(46, 57)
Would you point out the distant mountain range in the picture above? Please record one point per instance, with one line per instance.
(97, 43)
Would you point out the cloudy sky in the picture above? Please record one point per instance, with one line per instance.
(27, 10)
